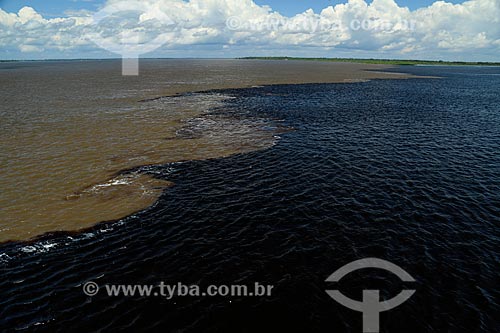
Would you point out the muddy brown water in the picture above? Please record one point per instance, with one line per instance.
(68, 129)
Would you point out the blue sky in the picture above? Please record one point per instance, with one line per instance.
(291, 7)
(50, 8)
(53, 8)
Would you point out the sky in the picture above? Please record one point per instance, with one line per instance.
(54, 8)
(399, 29)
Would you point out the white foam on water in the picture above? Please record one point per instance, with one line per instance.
(39, 247)
(4, 257)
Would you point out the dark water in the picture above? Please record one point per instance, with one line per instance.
(407, 171)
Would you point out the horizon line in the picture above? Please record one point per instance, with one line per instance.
(261, 58)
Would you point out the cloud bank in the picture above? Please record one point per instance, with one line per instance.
(202, 28)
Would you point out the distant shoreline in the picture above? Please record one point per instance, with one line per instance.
(371, 61)
(383, 61)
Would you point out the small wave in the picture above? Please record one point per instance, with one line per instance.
(40, 247)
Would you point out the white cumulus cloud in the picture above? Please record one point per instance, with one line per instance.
(470, 30)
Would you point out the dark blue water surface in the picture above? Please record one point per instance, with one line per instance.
(403, 170)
